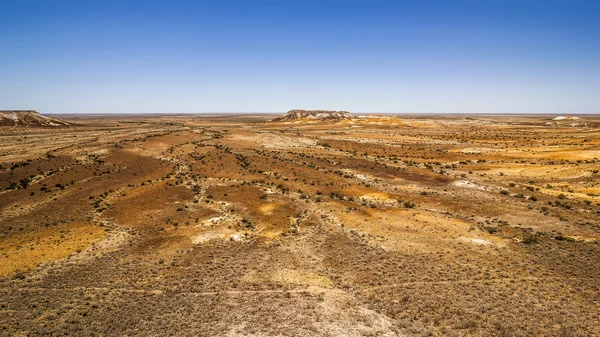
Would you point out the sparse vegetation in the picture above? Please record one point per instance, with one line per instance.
(401, 227)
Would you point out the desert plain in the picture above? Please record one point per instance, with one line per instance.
(232, 225)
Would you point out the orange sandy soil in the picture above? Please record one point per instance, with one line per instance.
(227, 226)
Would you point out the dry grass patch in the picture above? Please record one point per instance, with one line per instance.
(22, 252)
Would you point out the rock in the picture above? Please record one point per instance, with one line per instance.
(27, 118)
(313, 114)
(562, 118)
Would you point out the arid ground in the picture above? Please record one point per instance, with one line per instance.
(234, 226)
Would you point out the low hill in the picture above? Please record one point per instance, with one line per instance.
(27, 118)
(313, 114)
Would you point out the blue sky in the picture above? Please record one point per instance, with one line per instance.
(480, 56)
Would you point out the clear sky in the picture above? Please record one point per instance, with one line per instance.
(479, 56)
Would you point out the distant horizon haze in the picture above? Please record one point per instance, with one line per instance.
(422, 57)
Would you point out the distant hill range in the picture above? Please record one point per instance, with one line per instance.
(27, 118)
(313, 114)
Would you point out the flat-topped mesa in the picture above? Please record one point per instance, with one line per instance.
(313, 114)
(27, 118)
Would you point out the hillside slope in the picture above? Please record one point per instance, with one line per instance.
(313, 114)
(27, 118)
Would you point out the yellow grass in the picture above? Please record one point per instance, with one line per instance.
(22, 252)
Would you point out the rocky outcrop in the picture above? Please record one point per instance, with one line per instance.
(566, 118)
(27, 118)
(313, 114)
